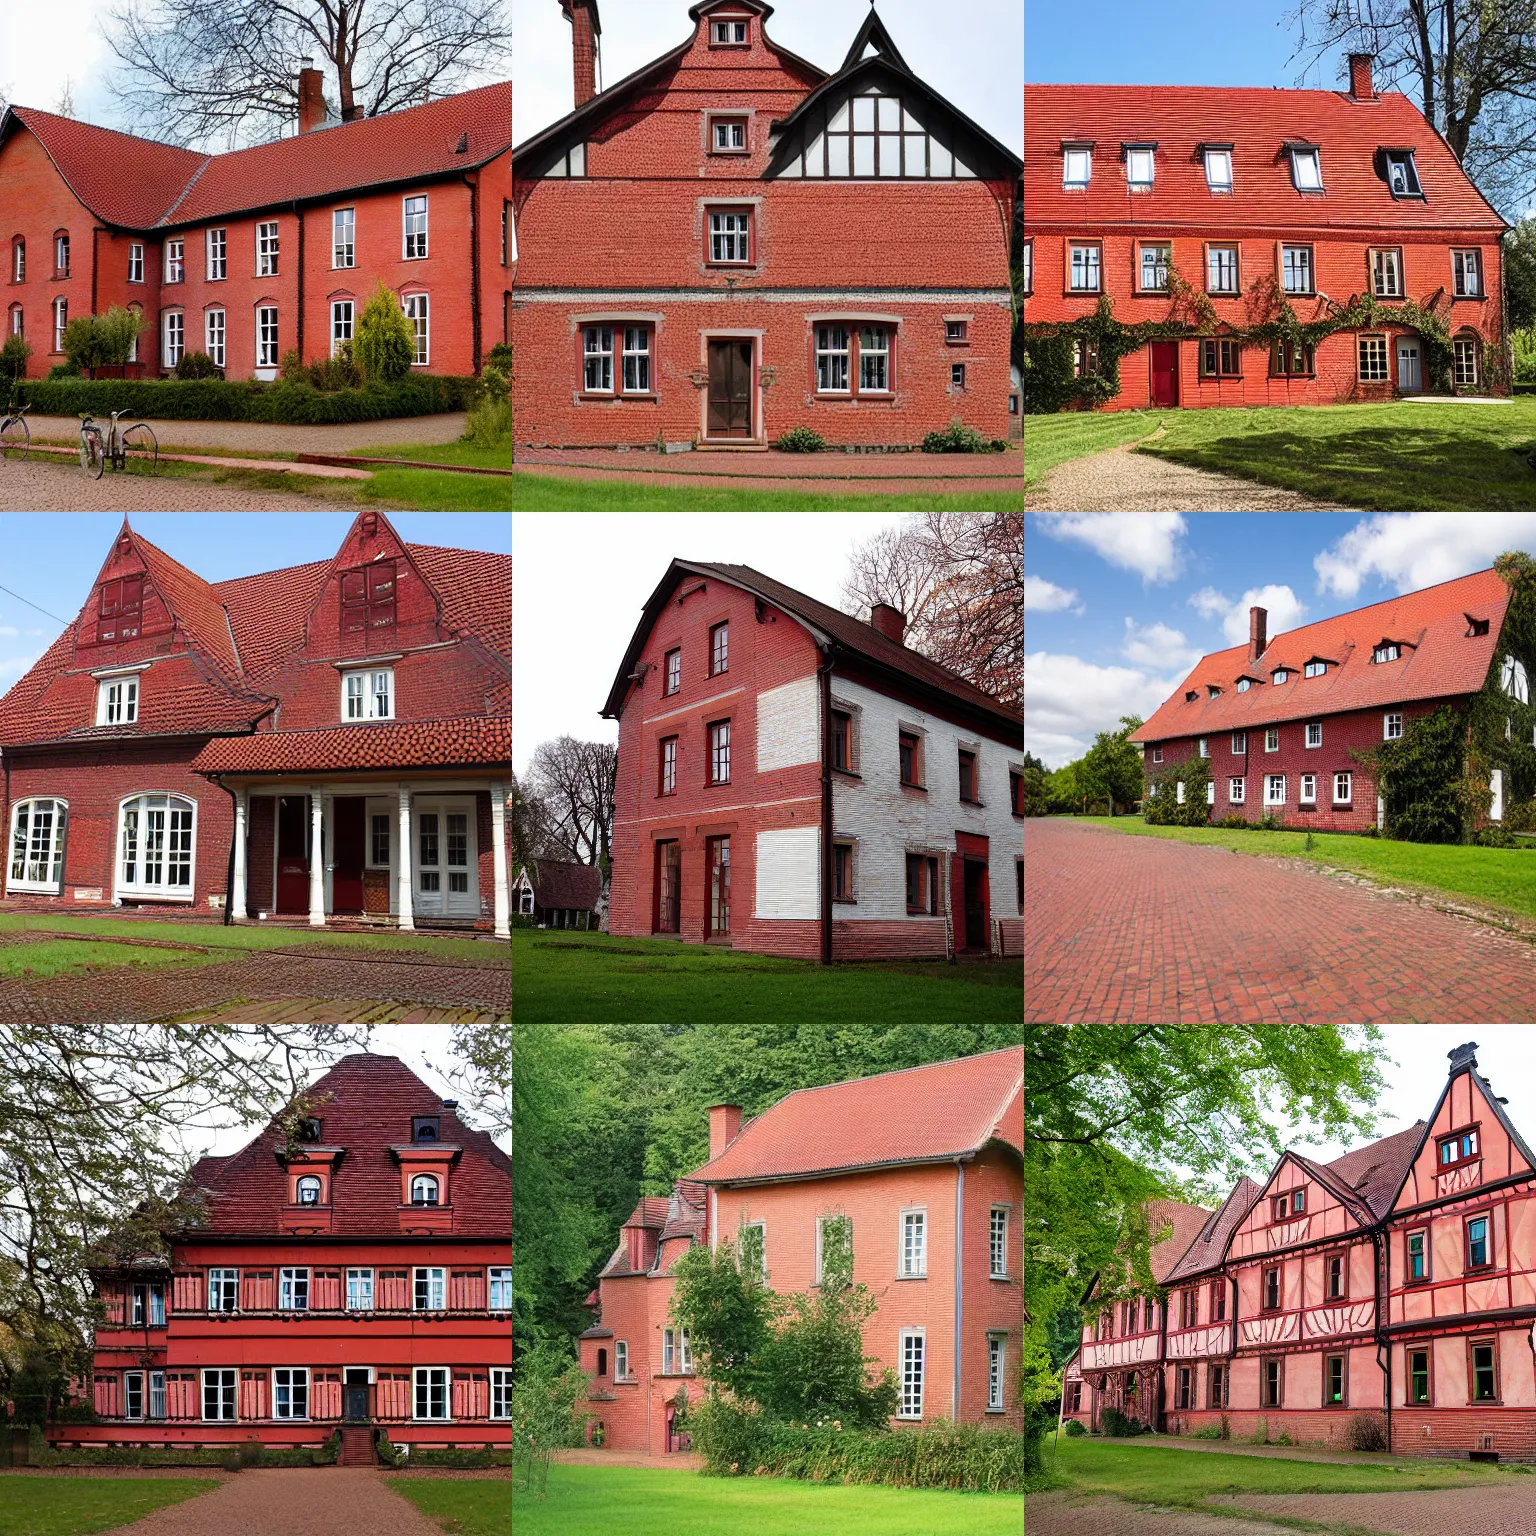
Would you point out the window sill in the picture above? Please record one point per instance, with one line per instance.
(847, 773)
(1005, 1279)
(726, 154)
(602, 394)
(1004, 1410)
(979, 804)
(1081, 293)
(949, 343)
(1471, 298)
(731, 266)
(912, 1277)
(845, 901)
(15, 886)
(921, 789)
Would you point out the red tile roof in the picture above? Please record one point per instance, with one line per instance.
(1209, 1245)
(466, 741)
(933, 1113)
(1376, 1171)
(1257, 123)
(372, 1099)
(266, 612)
(141, 184)
(1439, 660)
(476, 588)
(1182, 1223)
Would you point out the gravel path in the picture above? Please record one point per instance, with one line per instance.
(1065, 1514)
(265, 437)
(1122, 480)
(38, 486)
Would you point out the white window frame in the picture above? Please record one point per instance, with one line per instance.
(668, 1352)
(1387, 272)
(1085, 157)
(1464, 354)
(1374, 359)
(1391, 652)
(218, 1279)
(1514, 681)
(1239, 737)
(175, 337)
(215, 329)
(231, 1387)
(910, 1405)
(303, 1184)
(912, 1256)
(723, 34)
(621, 1360)
(1467, 262)
(292, 1372)
(266, 248)
(1203, 744)
(55, 851)
(343, 323)
(1140, 167)
(366, 695)
(1310, 739)
(1237, 791)
(423, 1376)
(1347, 777)
(1299, 268)
(875, 346)
(1221, 268)
(435, 1279)
(996, 1371)
(725, 233)
(156, 1399)
(343, 238)
(359, 1283)
(413, 235)
(266, 358)
(728, 128)
(436, 1191)
(1213, 182)
(1270, 797)
(1157, 754)
(1210, 791)
(1387, 722)
(501, 1392)
(1314, 669)
(997, 1241)
(498, 1275)
(1085, 259)
(1280, 676)
(216, 254)
(1272, 738)
(1301, 183)
(1308, 792)
(176, 261)
(762, 1226)
(135, 261)
(60, 322)
(636, 350)
(1244, 684)
(290, 1278)
(418, 311)
(597, 352)
(143, 805)
(834, 343)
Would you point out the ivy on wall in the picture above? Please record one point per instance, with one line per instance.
(1162, 809)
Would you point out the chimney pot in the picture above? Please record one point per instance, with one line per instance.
(724, 1127)
(1361, 86)
(1258, 620)
(891, 622)
(311, 99)
(586, 28)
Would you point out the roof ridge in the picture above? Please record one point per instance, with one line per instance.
(895, 1072)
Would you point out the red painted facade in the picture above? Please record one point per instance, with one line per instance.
(1263, 208)
(284, 1317)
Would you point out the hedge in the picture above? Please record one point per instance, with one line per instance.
(247, 1453)
(231, 400)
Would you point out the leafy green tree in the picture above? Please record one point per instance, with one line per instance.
(727, 1313)
(102, 341)
(1520, 274)
(549, 1385)
(385, 345)
(13, 358)
(1111, 768)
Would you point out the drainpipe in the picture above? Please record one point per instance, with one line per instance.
(474, 264)
(824, 677)
(229, 868)
(1162, 1364)
(954, 1412)
(1383, 1344)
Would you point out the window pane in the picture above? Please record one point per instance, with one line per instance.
(890, 113)
(940, 161)
(864, 112)
(916, 148)
(815, 157)
(838, 153)
(890, 154)
(578, 160)
(863, 156)
(839, 120)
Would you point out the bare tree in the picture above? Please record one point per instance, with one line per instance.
(226, 71)
(65, 106)
(959, 579)
(574, 780)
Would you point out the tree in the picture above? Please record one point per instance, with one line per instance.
(575, 782)
(102, 341)
(959, 579)
(1111, 768)
(385, 346)
(226, 71)
(727, 1313)
(65, 105)
(1520, 274)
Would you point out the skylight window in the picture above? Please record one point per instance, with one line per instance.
(1076, 166)
(1402, 173)
(1314, 668)
(1306, 167)
(1281, 675)
(1218, 167)
(1386, 653)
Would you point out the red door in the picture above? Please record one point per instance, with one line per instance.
(347, 877)
(1165, 372)
(293, 853)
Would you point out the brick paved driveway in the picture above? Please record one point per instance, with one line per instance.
(1505, 1509)
(1065, 1514)
(1121, 929)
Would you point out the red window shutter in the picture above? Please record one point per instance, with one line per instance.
(181, 1396)
(327, 1290)
(253, 1395)
(112, 1300)
(105, 1394)
(325, 1396)
(466, 1290)
(381, 594)
(354, 602)
(111, 598)
(462, 1401)
(132, 603)
(189, 1290)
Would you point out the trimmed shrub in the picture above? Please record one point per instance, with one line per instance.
(292, 370)
(1365, 1432)
(197, 365)
(338, 372)
(452, 1456)
(1114, 1423)
(13, 358)
(959, 438)
(1073, 1427)
(385, 345)
(65, 371)
(500, 356)
(801, 440)
(1495, 836)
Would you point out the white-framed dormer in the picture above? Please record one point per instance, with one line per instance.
(367, 693)
(117, 694)
(730, 29)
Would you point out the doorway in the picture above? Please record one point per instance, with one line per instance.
(975, 904)
(293, 853)
(1165, 372)
(347, 876)
(447, 859)
(1410, 377)
(730, 389)
(719, 855)
(355, 1394)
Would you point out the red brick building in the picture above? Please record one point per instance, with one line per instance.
(253, 253)
(796, 782)
(1257, 197)
(361, 1280)
(718, 307)
(1278, 719)
(923, 1168)
(333, 738)
(1397, 1281)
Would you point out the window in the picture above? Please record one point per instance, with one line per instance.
(1342, 784)
(1314, 733)
(175, 337)
(1298, 1201)
(572, 163)
(18, 321)
(911, 1374)
(1202, 748)
(1218, 167)
(668, 872)
(414, 217)
(501, 1391)
(597, 377)
(997, 1241)
(266, 336)
(922, 883)
(1217, 1375)
(217, 246)
(1274, 789)
(1402, 174)
(1272, 739)
(1418, 1256)
(1239, 743)
(1418, 1375)
(19, 260)
(874, 360)
(669, 1352)
(1182, 1393)
(727, 34)
(842, 872)
(1271, 1383)
(914, 1245)
(621, 1361)
(995, 1343)
(60, 320)
(1236, 791)
(956, 332)
(1386, 653)
(730, 238)
(341, 324)
(1458, 1148)
(968, 777)
(1221, 358)
(834, 1240)
(720, 752)
(175, 261)
(1479, 1249)
(674, 671)
(728, 135)
(1271, 1290)
(1337, 1276)
(1280, 1207)
(1157, 754)
(1292, 358)
(307, 1190)
(1218, 1301)
(359, 1290)
(1333, 1379)
(1139, 167)
(1085, 358)
(429, 1290)
(832, 355)
(635, 357)
(155, 842)
(61, 254)
(1306, 168)
(1076, 167)
(1280, 675)
(415, 307)
(344, 237)
(957, 375)
(1387, 274)
(719, 649)
(1314, 669)
(290, 1392)
(1513, 680)
(1464, 350)
(1485, 1380)
(1083, 269)
(1467, 274)
(1221, 269)
(223, 1290)
(842, 740)
(909, 753)
(368, 695)
(135, 261)
(266, 249)
(117, 701)
(1155, 262)
(293, 1290)
(501, 1289)
(424, 1187)
(219, 1394)
(1309, 789)
(1373, 359)
(379, 841)
(147, 1304)
(1244, 684)
(668, 769)
(213, 328)
(1029, 268)
(1296, 268)
(431, 1392)
(752, 1250)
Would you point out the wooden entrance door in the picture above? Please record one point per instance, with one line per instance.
(730, 389)
(1410, 379)
(293, 853)
(347, 878)
(975, 906)
(355, 1395)
(1165, 372)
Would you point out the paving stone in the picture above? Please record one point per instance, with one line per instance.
(1066, 1514)
(1507, 1509)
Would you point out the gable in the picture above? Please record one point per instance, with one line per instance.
(1327, 1211)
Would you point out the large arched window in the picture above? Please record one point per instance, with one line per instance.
(156, 846)
(1514, 681)
(61, 253)
(424, 1189)
(308, 1190)
(37, 846)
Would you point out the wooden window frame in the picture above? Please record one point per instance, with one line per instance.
(1409, 1278)
(1396, 252)
(1409, 1400)
(961, 753)
(1342, 1255)
(1283, 350)
(1096, 246)
(1279, 1303)
(1218, 1378)
(1476, 1342)
(712, 749)
(928, 884)
(743, 118)
(1473, 1128)
(1492, 1261)
(720, 653)
(844, 884)
(1138, 246)
(853, 351)
(1235, 246)
(1217, 1310)
(962, 338)
(1342, 1401)
(1184, 1389)
(918, 778)
(723, 209)
(1278, 1361)
(668, 686)
(1464, 251)
(1189, 1307)
(1281, 247)
(1215, 349)
(666, 783)
(1386, 358)
(1475, 342)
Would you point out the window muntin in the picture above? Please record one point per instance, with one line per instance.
(668, 765)
(922, 884)
(1343, 784)
(832, 354)
(842, 872)
(500, 1289)
(1306, 168)
(341, 324)
(213, 335)
(431, 1394)
(1076, 168)
(175, 337)
(1402, 174)
(994, 1373)
(719, 733)
(223, 1290)
(368, 695)
(1221, 269)
(1484, 1375)
(719, 649)
(216, 247)
(1084, 263)
(842, 740)
(415, 308)
(1217, 1378)
(1029, 268)
(1335, 1275)
(424, 1186)
(413, 213)
(135, 261)
(1153, 266)
(266, 249)
(1314, 733)
(19, 260)
(157, 1394)
(1465, 352)
(359, 1290)
(912, 1341)
(1418, 1375)
(1140, 167)
(637, 360)
(1479, 1243)
(293, 1290)
(1373, 360)
(620, 1360)
(674, 671)
(429, 1291)
(1467, 274)
(219, 1394)
(1244, 684)
(730, 238)
(344, 237)
(874, 360)
(266, 336)
(1387, 274)
(175, 261)
(1309, 789)
(1272, 739)
(997, 1242)
(1460, 1148)
(909, 755)
(572, 163)
(1417, 1250)
(1291, 359)
(1221, 357)
(914, 1245)
(290, 1392)
(378, 840)
(501, 1392)
(1296, 268)
(728, 135)
(307, 1190)
(155, 845)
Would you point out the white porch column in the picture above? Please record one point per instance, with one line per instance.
(237, 892)
(499, 860)
(316, 858)
(403, 877)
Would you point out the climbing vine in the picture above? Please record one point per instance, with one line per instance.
(1160, 807)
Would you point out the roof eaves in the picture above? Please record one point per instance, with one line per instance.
(741, 1182)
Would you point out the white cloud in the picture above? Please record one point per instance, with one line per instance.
(1147, 542)
(1410, 550)
(6, 629)
(1068, 701)
(1040, 596)
(1159, 647)
(1210, 603)
(1285, 610)
(15, 665)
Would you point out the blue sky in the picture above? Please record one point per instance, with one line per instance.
(51, 558)
(1177, 42)
(1118, 606)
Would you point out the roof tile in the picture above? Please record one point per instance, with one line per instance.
(465, 741)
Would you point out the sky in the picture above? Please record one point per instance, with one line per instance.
(940, 43)
(1118, 606)
(50, 559)
(580, 579)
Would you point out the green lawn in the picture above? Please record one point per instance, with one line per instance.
(1052, 440)
(468, 454)
(74, 1506)
(1500, 877)
(646, 1502)
(546, 493)
(49, 958)
(478, 1507)
(590, 978)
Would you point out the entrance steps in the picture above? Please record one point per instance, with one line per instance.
(357, 1447)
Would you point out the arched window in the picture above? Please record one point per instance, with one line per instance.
(1467, 359)
(61, 253)
(308, 1190)
(156, 846)
(37, 846)
(18, 259)
(1514, 681)
(424, 1189)
(18, 324)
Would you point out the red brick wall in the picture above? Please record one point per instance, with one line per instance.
(261, 844)
(990, 1305)
(1455, 1431)
(915, 939)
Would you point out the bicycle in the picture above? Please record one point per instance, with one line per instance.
(98, 449)
(15, 435)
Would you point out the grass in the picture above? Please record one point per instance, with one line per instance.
(1052, 440)
(647, 1502)
(52, 958)
(467, 454)
(590, 978)
(478, 1507)
(546, 493)
(1499, 877)
(75, 1506)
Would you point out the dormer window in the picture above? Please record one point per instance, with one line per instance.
(424, 1128)
(1076, 166)
(1139, 166)
(1280, 675)
(1191, 695)
(1476, 626)
(1389, 652)
(1244, 684)
(1513, 681)
(1402, 174)
(1306, 167)
(1314, 669)
(368, 695)
(424, 1189)
(117, 701)
(309, 1130)
(307, 1190)
(1218, 168)
(1212, 691)
(728, 34)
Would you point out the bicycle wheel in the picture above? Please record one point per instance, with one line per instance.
(140, 446)
(15, 439)
(93, 452)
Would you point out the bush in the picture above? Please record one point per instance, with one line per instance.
(1113, 1422)
(1239, 823)
(102, 341)
(452, 1456)
(1207, 1432)
(13, 358)
(1163, 808)
(1495, 836)
(1269, 822)
(500, 356)
(1365, 1432)
(65, 371)
(292, 369)
(801, 440)
(959, 438)
(385, 345)
(390, 1453)
(1073, 1427)
(197, 365)
(338, 372)
(489, 424)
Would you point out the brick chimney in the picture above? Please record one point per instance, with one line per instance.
(891, 622)
(1258, 622)
(1361, 86)
(586, 28)
(311, 99)
(724, 1127)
